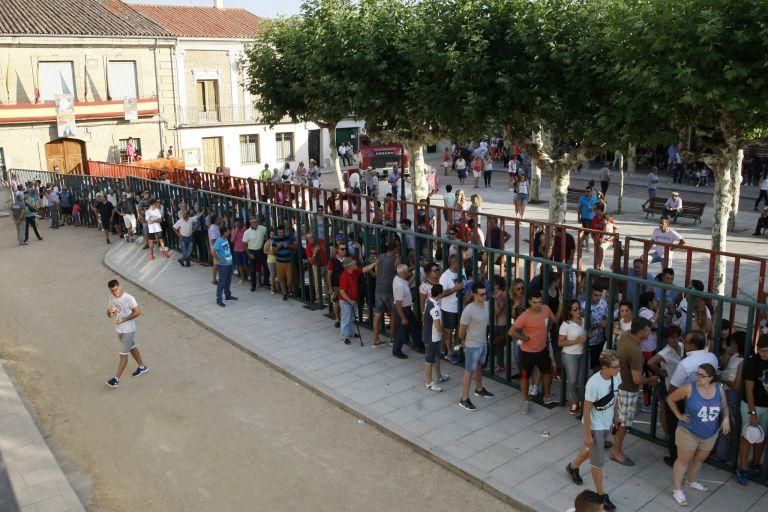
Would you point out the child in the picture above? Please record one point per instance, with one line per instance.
(389, 210)
(76, 213)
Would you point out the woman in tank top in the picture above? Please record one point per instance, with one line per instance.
(706, 413)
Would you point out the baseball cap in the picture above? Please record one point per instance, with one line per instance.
(348, 262)
(753, 434)
(675, 194)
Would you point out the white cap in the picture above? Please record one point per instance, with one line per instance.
(753, 435)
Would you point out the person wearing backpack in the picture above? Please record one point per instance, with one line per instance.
(600, 396)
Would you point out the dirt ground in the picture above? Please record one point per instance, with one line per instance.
(208, 428)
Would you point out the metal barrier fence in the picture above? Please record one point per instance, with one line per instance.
(82, 187)
(497, 267)
(719, 307)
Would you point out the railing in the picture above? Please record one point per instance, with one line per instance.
(329, 227)
(82, 187)
(221, 114)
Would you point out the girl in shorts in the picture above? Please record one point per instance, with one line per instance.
(522, 194)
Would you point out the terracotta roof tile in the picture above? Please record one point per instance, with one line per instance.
(75, 17)
(202, 21)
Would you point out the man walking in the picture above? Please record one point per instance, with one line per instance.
(105, 210)
(29, 217)
(17, 216)
(124, 310)
(222, 257)
(472, 333)
(599, 403)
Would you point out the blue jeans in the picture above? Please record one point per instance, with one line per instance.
(572, 364)
(347, 319)
(185, 244)
(225, 279)
(394, 192)
(404, 330)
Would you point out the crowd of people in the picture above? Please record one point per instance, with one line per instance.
(664, 349)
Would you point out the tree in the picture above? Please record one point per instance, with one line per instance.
(692, 63)
(300, 68)
(528, 67)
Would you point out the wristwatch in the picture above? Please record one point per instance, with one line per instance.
(753, 413)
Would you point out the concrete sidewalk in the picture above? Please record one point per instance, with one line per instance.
(30, 478)
(519, 458)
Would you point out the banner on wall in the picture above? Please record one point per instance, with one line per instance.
(65, 115)
(131, 107)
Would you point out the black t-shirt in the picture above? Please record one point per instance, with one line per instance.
(755, 369)
(105, 210)
(336, 269)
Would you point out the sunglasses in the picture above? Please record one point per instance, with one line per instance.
(699, 374)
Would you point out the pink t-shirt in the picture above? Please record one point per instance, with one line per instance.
(237, 238)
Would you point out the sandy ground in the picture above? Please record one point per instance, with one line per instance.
(209, 428)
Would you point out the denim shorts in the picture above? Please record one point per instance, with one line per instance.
(522, 196)
(474, 356)
(432, 352)
(241, 258)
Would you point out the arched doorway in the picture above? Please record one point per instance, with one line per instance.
(66, 154)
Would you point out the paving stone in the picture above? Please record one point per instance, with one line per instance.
(496, 444)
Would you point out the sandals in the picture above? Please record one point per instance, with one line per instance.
(679, 497)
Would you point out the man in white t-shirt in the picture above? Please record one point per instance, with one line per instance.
(452, 280)
(354, 182)
(124, 309)
(664, 234)
(154, 218)
(673, 207)
(600, 396)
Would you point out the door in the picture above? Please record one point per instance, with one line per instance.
(313, 145)
(347, 135)
(207, 101)
(211, 153)
(66, 156)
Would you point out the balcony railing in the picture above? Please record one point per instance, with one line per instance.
(45, 112)
(212, 116)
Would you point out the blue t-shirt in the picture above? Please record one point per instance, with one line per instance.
(586, 205)
(221, 246)
(283, 251)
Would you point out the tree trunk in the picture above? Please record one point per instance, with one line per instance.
(535, 169)
(335, 156)
(418, 172)
(621, 189)
(723, 201)
(631, 159)
(559, 179)
(735, 188)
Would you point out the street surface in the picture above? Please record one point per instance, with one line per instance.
(208, 428)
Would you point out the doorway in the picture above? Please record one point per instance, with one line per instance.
(348, 135)
(212, 154)
(66, 156)
(313, 146)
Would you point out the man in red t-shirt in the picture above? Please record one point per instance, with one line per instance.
(531, 329)
(315, 252)
(349, 295)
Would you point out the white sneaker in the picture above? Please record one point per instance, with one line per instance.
(679, 497)
(434, 387)
(698, 486)
(533, 390)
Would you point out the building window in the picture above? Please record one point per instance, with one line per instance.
(136, 147)
(121, 80)
(249, 149)
(207, 101)
(284, 147)
(56, 78)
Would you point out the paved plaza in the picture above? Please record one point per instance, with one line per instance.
(520, 458)
(30, 478)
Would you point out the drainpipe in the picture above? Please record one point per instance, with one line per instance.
(157, 93)
(174, 70)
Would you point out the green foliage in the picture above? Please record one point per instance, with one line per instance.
(680, 63)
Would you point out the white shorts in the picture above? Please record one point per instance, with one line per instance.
(477, 174)
(130, 221)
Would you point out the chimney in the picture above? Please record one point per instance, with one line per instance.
(218, 4)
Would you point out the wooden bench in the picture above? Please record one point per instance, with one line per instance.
(691, 209)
